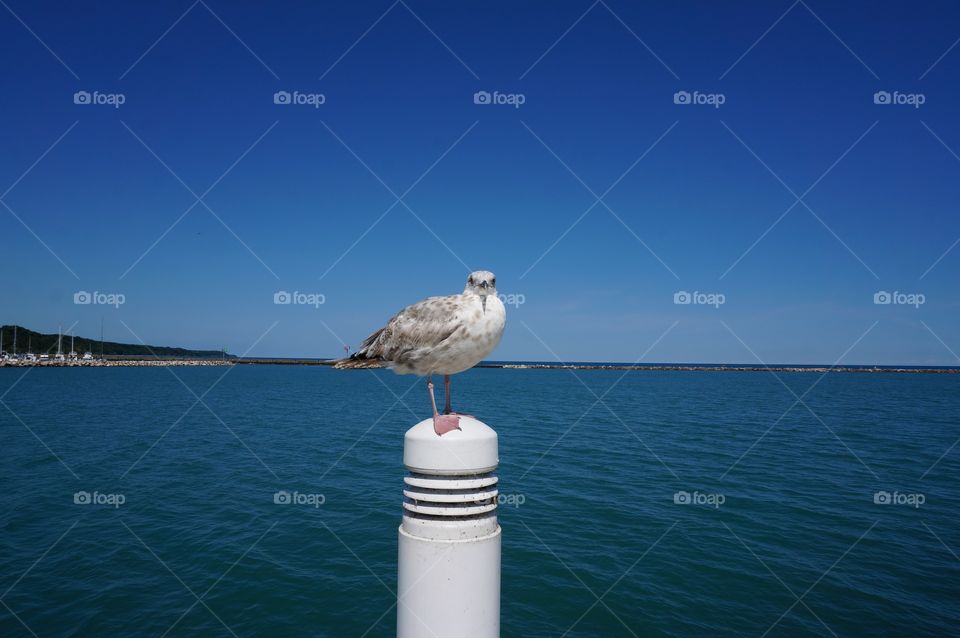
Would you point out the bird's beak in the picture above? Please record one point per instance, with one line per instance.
(483, 285)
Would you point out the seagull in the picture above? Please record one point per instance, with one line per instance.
(439, 335)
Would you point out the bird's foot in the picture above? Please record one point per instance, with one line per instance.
(443, 423)
(469, 416)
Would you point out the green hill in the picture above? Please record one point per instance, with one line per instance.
(47, 343)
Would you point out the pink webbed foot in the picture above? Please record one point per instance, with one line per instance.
(443, 423)
(470, 416)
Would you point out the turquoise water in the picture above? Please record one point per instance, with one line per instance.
(593, 514)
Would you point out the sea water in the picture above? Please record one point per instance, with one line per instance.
(265, 501)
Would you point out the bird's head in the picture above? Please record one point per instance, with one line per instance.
(481, 282)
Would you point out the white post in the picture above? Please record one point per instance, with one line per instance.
(448, 577)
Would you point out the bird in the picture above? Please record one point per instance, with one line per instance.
(439, 335)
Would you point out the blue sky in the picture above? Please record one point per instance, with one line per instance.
(793, 202)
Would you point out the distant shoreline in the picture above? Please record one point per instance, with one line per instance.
(682, 367)
(506, 365)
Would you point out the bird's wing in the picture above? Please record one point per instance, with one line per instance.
(424, 325)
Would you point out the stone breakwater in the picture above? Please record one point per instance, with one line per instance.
(126, 363)
(133, 363)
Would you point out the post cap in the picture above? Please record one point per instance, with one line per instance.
(470, 450)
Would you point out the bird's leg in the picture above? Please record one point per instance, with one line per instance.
(446, 387)
(442, 423)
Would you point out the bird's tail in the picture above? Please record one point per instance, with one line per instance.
(361, 358)
(359, 362)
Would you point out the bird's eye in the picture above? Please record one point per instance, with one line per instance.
(470, 281)
(493, 282)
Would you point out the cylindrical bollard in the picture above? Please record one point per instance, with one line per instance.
(448, 577)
